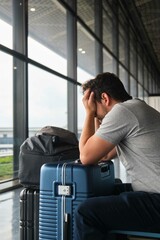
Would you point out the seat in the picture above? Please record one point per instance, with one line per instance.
(137, 234)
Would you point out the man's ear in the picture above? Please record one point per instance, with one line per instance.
(105, 97)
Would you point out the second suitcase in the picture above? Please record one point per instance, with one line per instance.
(62, 188)
(29, 214)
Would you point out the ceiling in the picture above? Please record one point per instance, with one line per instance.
(49, 22)
(149, 14)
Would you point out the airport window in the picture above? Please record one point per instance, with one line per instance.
(6, 119)
(47, 99)
(6, 92)
(123, 42)
(145, 77)
(81, 111)
(107, 62)
(150, 82)
(86, 51)
(133, 54)
(146, 97)
(85, 9)
(140, 66)
(133, 87)
(6, 20)
(47, 42)
(107, 27)
(140, 92)
(124, 77)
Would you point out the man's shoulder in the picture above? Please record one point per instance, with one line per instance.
(130, 104)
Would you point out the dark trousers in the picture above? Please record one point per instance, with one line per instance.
(126, 210)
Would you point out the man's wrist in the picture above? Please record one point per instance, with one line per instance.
(90, 114)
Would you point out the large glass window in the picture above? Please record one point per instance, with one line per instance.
(133, 87)
(150, 83)
(6, 119)
(123, 77)
(146, 97)
(140, 66)
(86, 66)
(122, 44)
(123, 37)
(107, 62)
(47, 42)
(86, 51)
(47, 99)
(81, 110)
(85, 9)
(140, 92)
(6, 23)
(107, 26)
(6, 93)
(145, 77)
(132, 54)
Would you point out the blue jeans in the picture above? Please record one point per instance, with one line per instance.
(126, 210)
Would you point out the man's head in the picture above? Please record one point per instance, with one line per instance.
(107, 83)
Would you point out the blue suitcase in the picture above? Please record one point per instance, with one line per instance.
(63, 187)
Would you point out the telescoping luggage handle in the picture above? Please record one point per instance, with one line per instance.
(64, 190)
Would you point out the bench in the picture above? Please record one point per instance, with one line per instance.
(137, 234)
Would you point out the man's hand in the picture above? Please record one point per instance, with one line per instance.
(97, 123)
(89, 102)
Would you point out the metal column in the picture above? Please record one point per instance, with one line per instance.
(98, 32)
(72, 67)
(20, 113)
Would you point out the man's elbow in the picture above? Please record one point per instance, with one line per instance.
(85, 160)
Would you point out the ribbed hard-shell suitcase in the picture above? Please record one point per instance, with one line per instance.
(62, 188)
(29, 214)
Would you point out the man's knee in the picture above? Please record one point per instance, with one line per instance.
(84, 212)
(80, 211)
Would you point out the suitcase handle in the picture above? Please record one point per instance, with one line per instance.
(66, 226)
(105, 169)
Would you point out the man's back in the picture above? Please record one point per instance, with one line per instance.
(134, 127)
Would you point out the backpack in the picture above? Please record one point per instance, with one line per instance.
(50, 144)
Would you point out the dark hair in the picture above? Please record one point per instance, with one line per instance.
(108, 83)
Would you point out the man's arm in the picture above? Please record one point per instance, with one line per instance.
(111, 155)
(89, 124)
(92, 148)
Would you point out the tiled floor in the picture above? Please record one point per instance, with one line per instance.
(9, 215)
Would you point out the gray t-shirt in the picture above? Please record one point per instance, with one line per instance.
(134, 128)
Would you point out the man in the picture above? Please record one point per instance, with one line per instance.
(131, 129)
